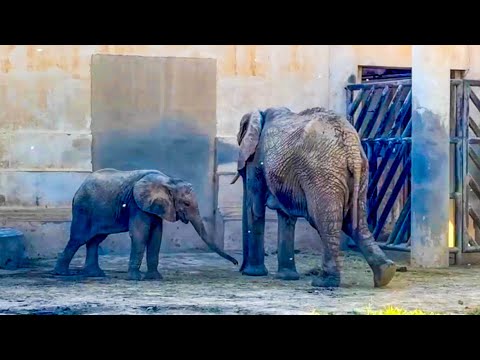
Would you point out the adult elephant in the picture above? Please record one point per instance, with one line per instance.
(309, 164)
(111, 201)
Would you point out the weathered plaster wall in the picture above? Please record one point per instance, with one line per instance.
(45, 136)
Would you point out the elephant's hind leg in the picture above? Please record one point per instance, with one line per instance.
(79, 230)
(91, 268)
(286, 242)
(328, 223)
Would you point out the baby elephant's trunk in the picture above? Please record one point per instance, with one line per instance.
(200, 229)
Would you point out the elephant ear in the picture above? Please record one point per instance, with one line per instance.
(248, 137)
(152, 195)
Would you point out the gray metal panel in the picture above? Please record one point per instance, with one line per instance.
(160, 113)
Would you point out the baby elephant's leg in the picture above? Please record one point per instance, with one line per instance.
(153, 251)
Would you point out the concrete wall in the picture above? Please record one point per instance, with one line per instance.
(45, 116)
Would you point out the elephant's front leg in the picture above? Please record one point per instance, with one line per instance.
(286, 246)
(153, 251)
(139, 227)
(254, 224)
(92, 268)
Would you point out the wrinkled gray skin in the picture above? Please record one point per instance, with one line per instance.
(111, 201)
(308, 165)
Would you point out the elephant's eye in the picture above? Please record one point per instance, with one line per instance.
(187, 203)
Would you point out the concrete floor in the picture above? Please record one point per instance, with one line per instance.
(204, 283)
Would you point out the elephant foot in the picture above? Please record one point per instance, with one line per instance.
(383, 274)
(93, 271)
(61, 269)
(257, 270)
(326, 281)
(153, 275)
(287, 274)
(135, 275)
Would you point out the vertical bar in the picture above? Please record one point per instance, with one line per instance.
(349, 100)
(372, 160)
(464, 153)
(459, 171)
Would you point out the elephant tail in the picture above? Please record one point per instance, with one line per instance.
(355, 167)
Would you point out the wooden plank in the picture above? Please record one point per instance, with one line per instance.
(388, 179)
(364, 111)
(453, 91)
(381, 168)
(475, 158)
(379, 106)
(400, 221)
(474, 140)
(474, 216)
(393, 197)
(459, 189)
(474, 186)
(354, 105)
(404, 110)
(372, 160)
(475, 100)
(388, 114)
(464, 164)
(474, 126)
(406, 82)
(474, 83)
(404, 230)
(407, 132)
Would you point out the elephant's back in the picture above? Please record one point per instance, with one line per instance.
(308, 159)
(105, 185)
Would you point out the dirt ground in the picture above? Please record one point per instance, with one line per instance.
(204, 283)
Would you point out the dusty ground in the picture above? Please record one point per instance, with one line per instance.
(204, 283)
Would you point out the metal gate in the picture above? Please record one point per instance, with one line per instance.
(465, 140)
(381, 113)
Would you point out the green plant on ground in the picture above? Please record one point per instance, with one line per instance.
(393, 310)
(388, 310)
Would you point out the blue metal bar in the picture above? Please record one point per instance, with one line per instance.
(388, 179)
(372, 160)
(405, 109)
(364, 111)
(386, 117)
(393, 197)
(380, 104)
(400, 221)
(406, 82)
(403, 230)
(352, 108)
(381, 168)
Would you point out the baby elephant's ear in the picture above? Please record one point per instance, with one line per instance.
(152, 195)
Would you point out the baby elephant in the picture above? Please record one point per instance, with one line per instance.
(111, 201)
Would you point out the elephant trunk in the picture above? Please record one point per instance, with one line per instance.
(199, 227)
